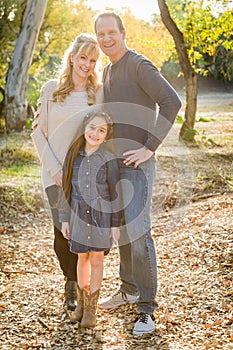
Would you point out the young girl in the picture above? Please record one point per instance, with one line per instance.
(90, 213)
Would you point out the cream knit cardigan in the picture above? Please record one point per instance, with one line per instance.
(55, 127)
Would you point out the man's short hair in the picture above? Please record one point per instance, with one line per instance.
(118, 19)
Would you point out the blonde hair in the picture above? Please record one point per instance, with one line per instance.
(83, 44)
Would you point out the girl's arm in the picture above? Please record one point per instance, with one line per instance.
(115, 233)
(65, 229)
(113, 176)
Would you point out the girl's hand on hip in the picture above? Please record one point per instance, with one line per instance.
(58, 178)
(65, 229)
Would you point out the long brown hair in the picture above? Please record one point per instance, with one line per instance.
(83, 44)
(78, 144)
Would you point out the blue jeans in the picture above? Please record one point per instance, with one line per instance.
(138, 268)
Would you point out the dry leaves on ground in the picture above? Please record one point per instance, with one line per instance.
(193, 232)
(195, 288)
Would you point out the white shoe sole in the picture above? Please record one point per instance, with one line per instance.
(143, 333)
(101, 306)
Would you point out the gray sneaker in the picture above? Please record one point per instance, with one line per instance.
(144, 325)
(118, 299)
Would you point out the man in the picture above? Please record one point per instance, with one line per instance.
(132, 89)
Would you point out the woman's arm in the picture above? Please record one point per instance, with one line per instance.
(65, 229)
(40, 137)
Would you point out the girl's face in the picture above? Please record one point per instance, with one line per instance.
(83, 65)
(95, 133)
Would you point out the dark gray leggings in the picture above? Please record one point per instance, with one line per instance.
(67, 260)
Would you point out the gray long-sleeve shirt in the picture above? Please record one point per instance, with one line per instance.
(133, 89)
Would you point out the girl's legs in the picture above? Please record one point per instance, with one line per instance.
(83, 275)
(90, 269)
(91, 295)
(97, 265)
(83, 270)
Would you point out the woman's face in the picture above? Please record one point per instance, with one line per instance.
(95, 132)
(83, 65)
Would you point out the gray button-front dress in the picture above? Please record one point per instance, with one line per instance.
(95, 201)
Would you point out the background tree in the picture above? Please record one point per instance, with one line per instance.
(11, 13)
(18, 71)
(199, 30)
(190, 75)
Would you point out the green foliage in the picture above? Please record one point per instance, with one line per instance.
(190, 134)
(204, 120)
(223, 63)
(179, 119)
(207, 27)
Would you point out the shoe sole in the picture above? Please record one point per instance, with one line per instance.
(116, 306)
(143, 333)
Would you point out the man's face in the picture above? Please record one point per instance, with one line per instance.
(110, 39)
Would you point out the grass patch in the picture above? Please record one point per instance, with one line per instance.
(20, 174)
(215, 108)
(18, 198)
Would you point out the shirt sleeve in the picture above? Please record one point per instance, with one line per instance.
(40, 133)
(163, 94)
(113, 176)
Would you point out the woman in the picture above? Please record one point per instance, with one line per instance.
(61, 107)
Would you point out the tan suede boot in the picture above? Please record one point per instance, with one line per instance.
(90, 307)
(77, 314)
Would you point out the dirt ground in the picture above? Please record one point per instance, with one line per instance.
(192, 228)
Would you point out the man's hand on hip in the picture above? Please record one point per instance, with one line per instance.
(137, 156)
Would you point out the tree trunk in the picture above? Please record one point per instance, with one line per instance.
(190, 76)
(187, 130)
(18, 71)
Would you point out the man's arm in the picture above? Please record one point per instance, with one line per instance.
(163, 94)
